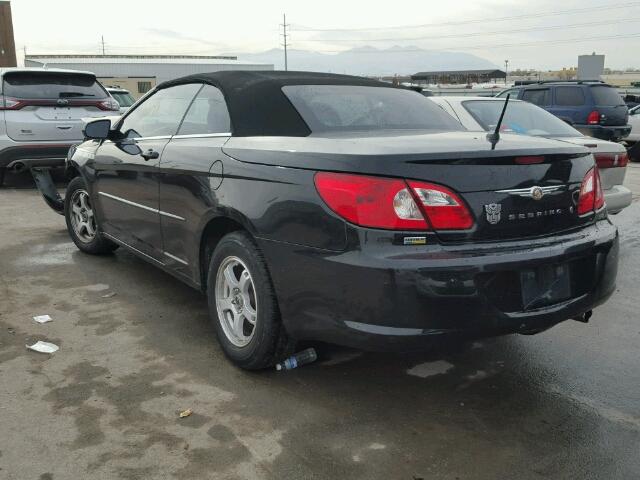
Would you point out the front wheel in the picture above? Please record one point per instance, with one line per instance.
(81, 220)
(243, 305)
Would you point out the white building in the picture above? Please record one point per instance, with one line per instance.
(140, 73)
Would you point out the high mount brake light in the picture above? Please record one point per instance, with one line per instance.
(391, 203)
(609, 160)
(529, 160)
(591, 195)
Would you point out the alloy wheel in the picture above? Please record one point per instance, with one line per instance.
(236, 301)
(82, 217)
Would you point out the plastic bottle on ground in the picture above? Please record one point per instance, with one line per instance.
(301, 358)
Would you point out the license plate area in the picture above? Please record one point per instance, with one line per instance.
(545, 285)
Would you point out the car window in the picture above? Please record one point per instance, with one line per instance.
(48, 85)
(540, 96)
(606, 96)
(160, 114)
(358, 108)
(124, 99)
(513, 92)
(207, 114)
(569, 96)
(520, 117)
(446, 106)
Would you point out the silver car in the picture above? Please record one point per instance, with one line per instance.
(122, 96)
(41, 112)
(482, 113)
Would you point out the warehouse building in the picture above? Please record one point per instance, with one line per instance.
(140, 73)
(459, 76)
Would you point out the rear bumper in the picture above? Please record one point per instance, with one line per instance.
(34, 155)
(617, 198)
(391, 297)
(604, 132)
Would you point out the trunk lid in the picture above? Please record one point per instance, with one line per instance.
(48, 123)
(508, 199)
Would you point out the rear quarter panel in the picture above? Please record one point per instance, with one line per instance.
(278, 203)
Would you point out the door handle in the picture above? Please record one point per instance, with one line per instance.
(150, 154)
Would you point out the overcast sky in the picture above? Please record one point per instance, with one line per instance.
(531, 35)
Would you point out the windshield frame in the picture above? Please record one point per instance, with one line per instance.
(571, 131)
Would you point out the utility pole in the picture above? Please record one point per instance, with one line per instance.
(506, 71)
(103, 45)
(285, 35)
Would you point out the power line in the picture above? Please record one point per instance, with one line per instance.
(285, 35)
(302, 28)
(479, 34)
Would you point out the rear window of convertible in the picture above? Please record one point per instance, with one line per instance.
(330, 108)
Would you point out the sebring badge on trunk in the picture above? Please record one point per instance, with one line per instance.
(494, 210)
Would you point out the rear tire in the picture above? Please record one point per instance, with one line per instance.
(243, 305)
(82, 223)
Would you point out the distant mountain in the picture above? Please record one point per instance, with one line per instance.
(371, 61)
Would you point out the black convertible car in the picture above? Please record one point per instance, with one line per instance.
(326, 207)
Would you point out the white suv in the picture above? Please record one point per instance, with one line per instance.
(41, 112)
(122, 96)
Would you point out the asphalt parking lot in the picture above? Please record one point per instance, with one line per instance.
(562, 404)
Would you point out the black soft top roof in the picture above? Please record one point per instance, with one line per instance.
(256, 103)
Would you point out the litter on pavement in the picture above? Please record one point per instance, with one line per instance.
(43, 318)
(43, 347)
(301, 358)
(186, 413)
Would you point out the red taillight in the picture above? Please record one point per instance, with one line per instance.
(9, 103)
(599, 201)
(390, 203)
(591, 195)
(110, 105)
(593, 118)
(444, 209)
(609, 160)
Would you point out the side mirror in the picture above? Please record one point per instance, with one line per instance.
(97, 129)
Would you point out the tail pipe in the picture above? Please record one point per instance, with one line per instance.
(17, 167)
(584, 317)
(44, 182)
